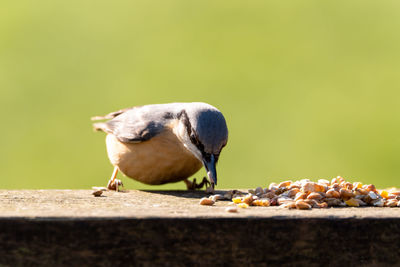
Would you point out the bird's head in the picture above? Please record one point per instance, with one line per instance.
(203, 130)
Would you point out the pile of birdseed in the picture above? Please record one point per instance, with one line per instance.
(305, 194)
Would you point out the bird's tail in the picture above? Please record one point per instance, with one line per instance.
(100, 126)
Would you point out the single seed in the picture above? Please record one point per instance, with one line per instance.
(272, 185)
(292, 192)
(237, 200)
(97, 193)
(346, 193)
(322, 205)
(281, 190)
(384, 194)
(301, 205)
(257, 202)
(268, 195)
(206, 201)
(333, 202)
(313, 203)
(259, 190)
(284, 200)
(293, 186)
(361, 202)
(248, 199)
(274, 201)
(308, 187)
(332, 193)
(320, 188)
(261, 202)
(315, 196)
(378, 203)
(300, 195)
(231, 209)
(372, 195)
(289, 205)
(285, 184)
(266, 202)
(362, 191)
(216, 197)
(370, 187)
(348, 185)
(357, 185)
(352, 202)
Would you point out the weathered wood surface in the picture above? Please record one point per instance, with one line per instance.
(165, 228)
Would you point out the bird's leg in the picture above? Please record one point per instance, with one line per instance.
(113, 183)
(193, 185)
(204, 182)
(190, 185)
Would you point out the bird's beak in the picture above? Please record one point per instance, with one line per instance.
(211, 170)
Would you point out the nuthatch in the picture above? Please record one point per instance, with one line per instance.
(164, 143)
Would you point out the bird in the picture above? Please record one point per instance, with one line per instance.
(164, 143)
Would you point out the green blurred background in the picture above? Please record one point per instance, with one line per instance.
(310, 89)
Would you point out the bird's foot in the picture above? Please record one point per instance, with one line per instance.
(114, 184)
(193, 185)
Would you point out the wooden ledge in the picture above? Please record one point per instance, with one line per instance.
(72, 227)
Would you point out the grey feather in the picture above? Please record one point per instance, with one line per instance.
(139, 124)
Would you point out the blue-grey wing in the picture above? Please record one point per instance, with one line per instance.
(133, 125)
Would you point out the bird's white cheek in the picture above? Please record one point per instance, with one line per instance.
(181, 132)
(194, 150)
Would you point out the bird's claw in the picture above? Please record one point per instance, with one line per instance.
(114, 185)
(193, 185)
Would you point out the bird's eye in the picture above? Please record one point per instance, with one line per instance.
(193, 139)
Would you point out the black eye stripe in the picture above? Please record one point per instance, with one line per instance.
(195, 141)
(185, 119)
(193, 136)
(190, 131)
